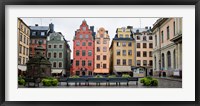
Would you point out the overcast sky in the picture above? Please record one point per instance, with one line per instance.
(68, 26)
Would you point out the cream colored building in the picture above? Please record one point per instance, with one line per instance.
(23, 33)
(102, 54)
(167, 52)
(144, 48)
(122, 51)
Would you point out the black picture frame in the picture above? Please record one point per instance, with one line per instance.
(3, 3)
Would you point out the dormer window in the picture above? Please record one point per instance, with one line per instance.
(42, 33)
(121, 36)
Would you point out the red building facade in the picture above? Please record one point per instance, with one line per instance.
(83, 55)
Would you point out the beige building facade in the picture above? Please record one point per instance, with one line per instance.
(23, 33)
(102, 54)
(122, 49)
(167, 52)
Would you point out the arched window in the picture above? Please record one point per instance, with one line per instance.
(155, 40)
(169, 59)
(150, 37)
(144, 38)
(163, 61)
(155, 63)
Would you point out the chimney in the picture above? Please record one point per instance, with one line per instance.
(51, 27)
(146, 27)
(36, 24)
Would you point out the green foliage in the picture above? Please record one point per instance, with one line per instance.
(112, 76)
(74, 76)
(149, 81)
(126, 76)
(98, 76)
(49, 82)
(21, 81)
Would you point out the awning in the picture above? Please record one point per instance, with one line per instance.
(56, 71)
(22, 67)
(122, 68)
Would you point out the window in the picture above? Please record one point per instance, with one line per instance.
(118, 52)
(24, 49)
(138, 53)
(118, 44)
(77, 53)
(150, 62)
(20, 48)
(77, 73)
(54, 55)
(19, 59)
(98, 41)
(138, 45)
(155, 40)
(150, 54)
(54, 64)
(129, 52)
(83, 62)
(83, 52)
(118, 61)
(144, 38)
(162, 36)
(138, 37)
(81, 36)
(150, 38)
(124, 61)
(98, 57)
(42, 33)
(83, 43)
(104, 57)
(86, 36)
(104, 65)
(49, 46)
(167, 32)
(98, 65)
(20, 36)
(77, 63)
(49, 55)
(144, 54)
(104, 49)
(169, 59)
(144, 45)
(101, 35)
(84, 28)
(89, 43)
(77, 43)
(34, 33)
(174, 28)
(138, 63)
(129, 44)
(127, 36)
(89, 63)
(90, 73)
(121, 36)
(60, 55)
(124, 44)
(104, 41)
(155, 62)
(89, 53)
(163, 60)
(55, 46)
(98, 49)
(60, 64)
(150, 45)
(124, 52)
(24, 40)
(130, 62)
(60, 46)
(144, 62)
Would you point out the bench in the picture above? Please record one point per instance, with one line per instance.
(118, 80)
(97, 80)
(133, 79)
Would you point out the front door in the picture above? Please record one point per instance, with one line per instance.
(83, 73)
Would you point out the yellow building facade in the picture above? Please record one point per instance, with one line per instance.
(122, 49)
(102, 55)
(23, 33)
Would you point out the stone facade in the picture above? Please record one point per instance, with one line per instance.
(102, 55)
(167, 52)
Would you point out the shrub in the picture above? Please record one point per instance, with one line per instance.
(98, 76)
(50, 82)
(126, 76)
(21, 81)
(149, 81)
(112, 76)
(74, 76)
(54, 82)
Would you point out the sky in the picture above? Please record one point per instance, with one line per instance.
(68, 26)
